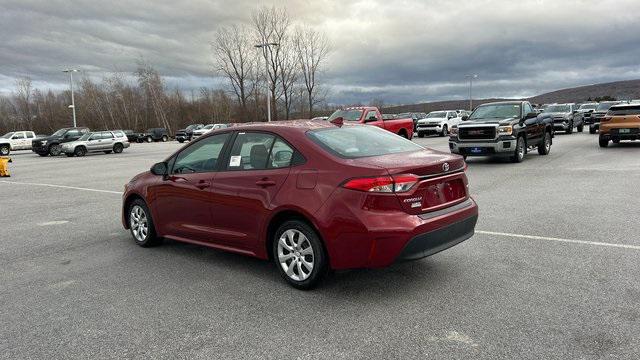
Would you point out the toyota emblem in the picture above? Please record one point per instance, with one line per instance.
(445, 167)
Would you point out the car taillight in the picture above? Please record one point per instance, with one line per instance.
(383, 184)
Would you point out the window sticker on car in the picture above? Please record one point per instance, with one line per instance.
(235, 161)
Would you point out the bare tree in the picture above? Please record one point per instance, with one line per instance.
(313, 49)
(23, 100)
(271, 26)
(235, 59)
(289, 76)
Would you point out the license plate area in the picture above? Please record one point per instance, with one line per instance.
(436, 194)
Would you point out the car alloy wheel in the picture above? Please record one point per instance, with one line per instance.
(80, 151)
(149, 139)
(139, 223)
(55, 149)
(4, 150)
(117, 148)
(165, 138)
(295, 255)
(518, 156)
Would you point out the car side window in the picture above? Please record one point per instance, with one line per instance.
(371, 114)
(95, 136)
(30, 135)
(281, 155)
(201, 156)
(72, 133)
(250, 151)
(526, 109)
(18, 136)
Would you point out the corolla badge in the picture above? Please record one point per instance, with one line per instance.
(445, 167)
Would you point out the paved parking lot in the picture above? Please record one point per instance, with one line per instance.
(551, 274)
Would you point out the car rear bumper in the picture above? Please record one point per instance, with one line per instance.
(380, 239)
(483, 148)
(609, 133)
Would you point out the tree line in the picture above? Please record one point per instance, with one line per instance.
(142, 100)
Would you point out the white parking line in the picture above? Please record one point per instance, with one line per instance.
(62, 187)
(572, 241)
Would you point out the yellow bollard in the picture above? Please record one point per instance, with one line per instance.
(4, 166)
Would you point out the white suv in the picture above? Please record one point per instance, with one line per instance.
(16, 140)
(438, 122)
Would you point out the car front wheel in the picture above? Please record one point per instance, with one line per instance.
(141, 225)
(580, 128)
(592, 129)
(518, 154)
(5, 150)
(603, 142)
(545, 147)
(299, 255)
(55, 149)
(445, 131)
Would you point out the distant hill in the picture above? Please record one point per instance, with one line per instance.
(629, 89)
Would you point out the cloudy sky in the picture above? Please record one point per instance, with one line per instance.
(402, 51)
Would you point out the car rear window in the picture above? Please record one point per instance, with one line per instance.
(353, 142)
(624, 110)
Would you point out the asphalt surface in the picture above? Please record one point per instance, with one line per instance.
(552, 274)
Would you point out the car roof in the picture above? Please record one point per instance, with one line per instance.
(293, 125)
(624, 105)
(512, 102)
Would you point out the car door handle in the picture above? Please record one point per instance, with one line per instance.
(203, 184)
(265, 182)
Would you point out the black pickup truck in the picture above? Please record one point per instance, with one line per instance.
(507, 128)
(186, 134)
(51, 145)
(151, 135)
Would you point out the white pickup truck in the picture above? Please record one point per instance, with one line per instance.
(16, 140)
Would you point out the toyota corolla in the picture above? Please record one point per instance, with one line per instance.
(310, 196)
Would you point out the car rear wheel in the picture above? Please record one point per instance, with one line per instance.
(5, 150)
(603, 142)
(149, 139)
(299, 255)
(117, 148)
(445, 131)
(592, 130)
(545, 147)
(80, 151)
(55, 149)
(165, 138)
(518, 154)
(141, 224)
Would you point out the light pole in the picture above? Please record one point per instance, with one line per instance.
(471, 77)
(73, 103)
(266, 46)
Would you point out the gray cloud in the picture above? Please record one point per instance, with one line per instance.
(400, 51)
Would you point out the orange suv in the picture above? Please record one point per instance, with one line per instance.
(622, 122)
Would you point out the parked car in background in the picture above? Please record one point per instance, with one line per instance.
(438, 122)
(186, 134)
(598, 114)
(585, 110)
(310, 196)
(565, 117)
(370, 115)
(508, 128)
(206, 129)
(52, 145)
(16, 140)
(132, 136)
(415, 116)
(98, 141)
(622, 122)
(153, 134)
(542, 108)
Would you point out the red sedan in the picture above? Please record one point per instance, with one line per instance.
(311, 196)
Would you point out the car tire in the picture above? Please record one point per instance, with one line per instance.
(296, 247)
(570, 128)
(592, 129)
(44, 154)
(616, 141)
(70, 154)
(149, 139)
(80, 151)
(141, 224)
(520, 150)
(445, 131)
(117, 148)
(55, 149)
(545, 146)
(165, 138)
(180, 141)
(5, 150)
(580, 128)
(420, 135)
(603, 142)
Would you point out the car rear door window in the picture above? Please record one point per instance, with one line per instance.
(281, 155)
(18, 136)
(201, 156)
(250, 151)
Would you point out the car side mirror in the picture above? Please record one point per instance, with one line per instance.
(530, 115)
(465, 118)
(160, 169)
